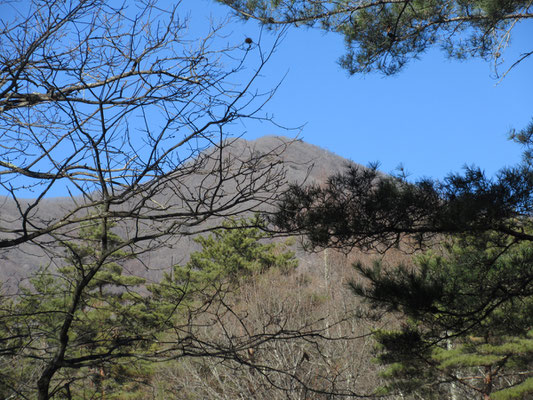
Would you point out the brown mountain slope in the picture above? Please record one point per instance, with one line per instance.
(301, 162)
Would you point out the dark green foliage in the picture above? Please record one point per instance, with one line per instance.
(364, 208)
(467, 312)
(114, 332)
(385, 35)
(227, 256)
(108, 322)
(468, 317)
(235, 251)
(525, 138)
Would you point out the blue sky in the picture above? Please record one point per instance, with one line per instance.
(433, 117)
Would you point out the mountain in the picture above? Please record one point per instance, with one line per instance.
(302, 162)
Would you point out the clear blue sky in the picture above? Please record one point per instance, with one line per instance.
(434, 117)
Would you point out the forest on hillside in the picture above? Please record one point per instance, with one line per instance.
(184, 262)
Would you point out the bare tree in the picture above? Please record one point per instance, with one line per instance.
(332, 360)
(114, 104)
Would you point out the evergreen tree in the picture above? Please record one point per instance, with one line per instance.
(362, 207)
(110, 324)
(228, 255)
(385, 35)
(467, 321)
(115, 332)
(468, 315)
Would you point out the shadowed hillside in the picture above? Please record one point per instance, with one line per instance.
(301, 162)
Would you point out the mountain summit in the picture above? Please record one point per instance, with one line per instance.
(300, 162)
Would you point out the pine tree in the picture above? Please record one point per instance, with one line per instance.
(383, 36)
(118, 330)
(228, 255)
(467, 321)
(111, 323)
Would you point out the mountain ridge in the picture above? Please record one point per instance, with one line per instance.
(303, 163)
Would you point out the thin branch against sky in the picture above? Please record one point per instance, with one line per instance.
(434, 117)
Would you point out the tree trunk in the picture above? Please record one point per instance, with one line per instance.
(488, 384)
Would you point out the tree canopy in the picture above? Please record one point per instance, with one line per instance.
(384, 35)
(467, 314)
(118, 106)
(365, 208)
(464, 307)
(122, 109)
(88, 330)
